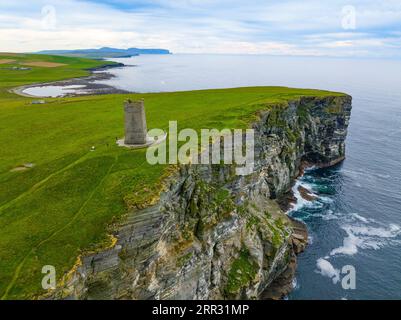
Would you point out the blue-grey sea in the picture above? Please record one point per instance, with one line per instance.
(357, 218)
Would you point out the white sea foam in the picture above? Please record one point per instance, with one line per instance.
(368, 236)
(326, 269)
(343, 216)
(359, 217)
(361, 232)
(325, 199)
(311, 168)
(295, 284)
(349, 247)
(330, 216)
(300, 201)
(391, 232)
(327, 215)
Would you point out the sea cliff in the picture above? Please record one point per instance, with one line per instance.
(213, 234)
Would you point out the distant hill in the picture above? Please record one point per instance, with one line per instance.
(105, 52)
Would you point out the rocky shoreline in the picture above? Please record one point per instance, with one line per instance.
(88, 85)
(283, 284)
(214, 235)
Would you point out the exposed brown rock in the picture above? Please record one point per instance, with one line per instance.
(306, 194)
(283, 285)
(215, 235)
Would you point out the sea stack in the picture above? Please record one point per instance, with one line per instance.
(135, 122)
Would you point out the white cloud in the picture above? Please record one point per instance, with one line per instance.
(199, 26)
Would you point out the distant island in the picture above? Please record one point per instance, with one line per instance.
(104, 52)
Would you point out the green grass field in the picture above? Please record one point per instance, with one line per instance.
(64, 205)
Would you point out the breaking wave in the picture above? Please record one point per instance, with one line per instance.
(367, 236)
(361, 232)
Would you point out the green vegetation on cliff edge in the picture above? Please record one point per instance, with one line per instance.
(65, 203)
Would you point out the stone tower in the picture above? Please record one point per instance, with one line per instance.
(135, 122)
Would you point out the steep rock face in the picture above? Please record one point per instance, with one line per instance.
(216, 235)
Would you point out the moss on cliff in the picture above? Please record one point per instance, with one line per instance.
(242, 271)
(225, 236)
(182, 260)
(303, 113)
(95, 188)
(335, 107)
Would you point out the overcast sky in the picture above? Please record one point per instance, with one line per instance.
(360, 28)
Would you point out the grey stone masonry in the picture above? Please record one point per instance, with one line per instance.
(135, 122)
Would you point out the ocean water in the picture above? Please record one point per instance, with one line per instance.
(356, 220)
(52, 91)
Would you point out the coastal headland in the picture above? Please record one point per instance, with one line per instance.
(116, 227)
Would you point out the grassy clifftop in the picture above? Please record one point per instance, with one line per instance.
(64, 204)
